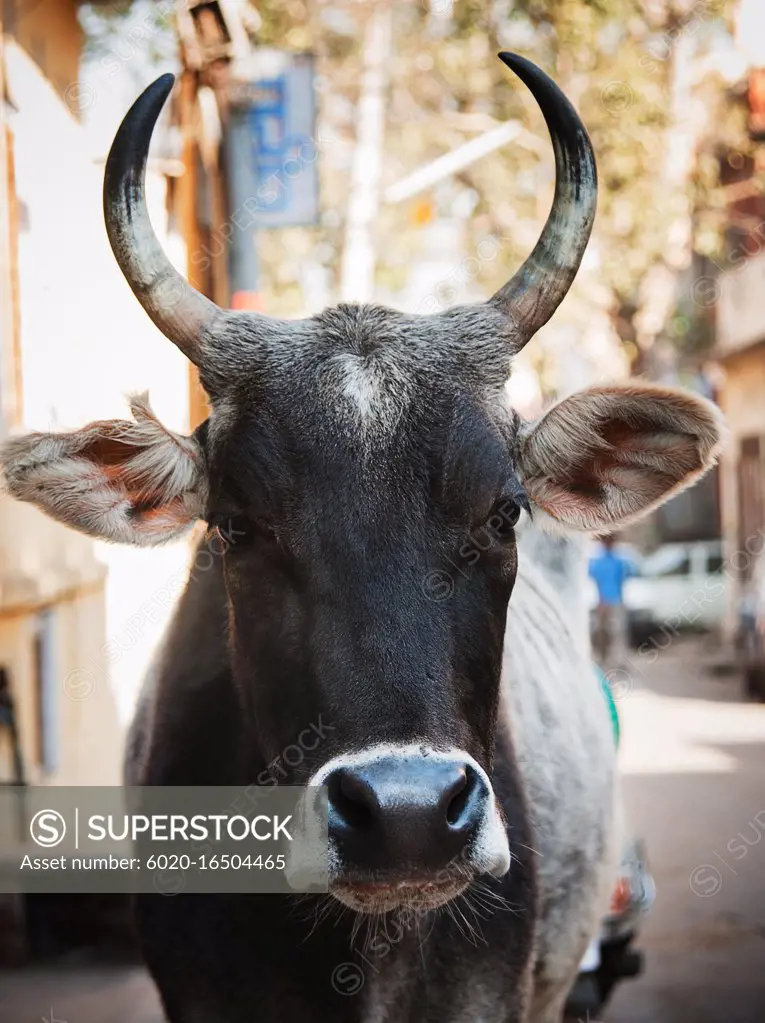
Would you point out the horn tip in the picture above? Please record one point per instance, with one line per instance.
(512, 60)
(526, 70)
(163, 84)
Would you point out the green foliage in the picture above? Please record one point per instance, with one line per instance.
(616, 59)
(613, 58)
(145, 25)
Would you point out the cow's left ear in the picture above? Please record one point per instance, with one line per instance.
(605, 456)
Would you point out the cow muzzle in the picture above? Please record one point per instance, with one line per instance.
(410, 826)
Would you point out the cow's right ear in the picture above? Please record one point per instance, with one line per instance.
(129, 482)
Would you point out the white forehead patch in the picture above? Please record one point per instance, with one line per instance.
(360, 383)
(374, 389)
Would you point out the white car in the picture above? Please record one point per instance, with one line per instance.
(680, 586)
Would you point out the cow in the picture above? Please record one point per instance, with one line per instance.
(371, 501)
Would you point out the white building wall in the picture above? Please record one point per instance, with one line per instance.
(85, 343)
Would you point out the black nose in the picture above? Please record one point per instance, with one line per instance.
(405, 815)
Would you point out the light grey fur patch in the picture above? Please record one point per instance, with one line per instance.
(553, 707)
(374, 390)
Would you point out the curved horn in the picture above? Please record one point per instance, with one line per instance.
(180, 312)
(541, 284)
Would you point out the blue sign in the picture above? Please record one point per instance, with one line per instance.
(273, 149)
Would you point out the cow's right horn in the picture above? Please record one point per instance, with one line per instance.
(180, 312)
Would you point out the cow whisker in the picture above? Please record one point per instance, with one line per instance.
(529, 848)
(358, 921)
(323, 909)
(490, 899)
(468, 930)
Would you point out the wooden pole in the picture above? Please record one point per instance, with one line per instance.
(11, 391)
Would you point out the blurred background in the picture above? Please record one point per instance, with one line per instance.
(324, 150)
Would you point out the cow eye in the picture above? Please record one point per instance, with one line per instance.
(505, 513)
(504, 517)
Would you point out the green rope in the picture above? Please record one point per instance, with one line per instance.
(612, 708)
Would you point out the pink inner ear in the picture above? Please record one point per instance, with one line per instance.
(616, 495)
(669, 455)
(110, 445)
(634, 473)
(157, 520)
(112, 451)
(628, 467)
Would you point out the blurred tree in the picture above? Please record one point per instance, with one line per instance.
(642, 74)
(630, 66)
(111, 29)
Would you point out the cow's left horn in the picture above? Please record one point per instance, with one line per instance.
(180, 312)
(537, 289)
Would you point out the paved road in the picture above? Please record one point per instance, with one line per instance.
(694, 763)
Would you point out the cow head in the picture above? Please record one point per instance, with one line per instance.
(367, 473)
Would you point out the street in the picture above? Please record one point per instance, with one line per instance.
(694, 766)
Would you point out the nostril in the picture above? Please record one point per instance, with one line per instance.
(353, 799)
(460, 798)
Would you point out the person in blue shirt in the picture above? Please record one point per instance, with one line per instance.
(610, 570)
